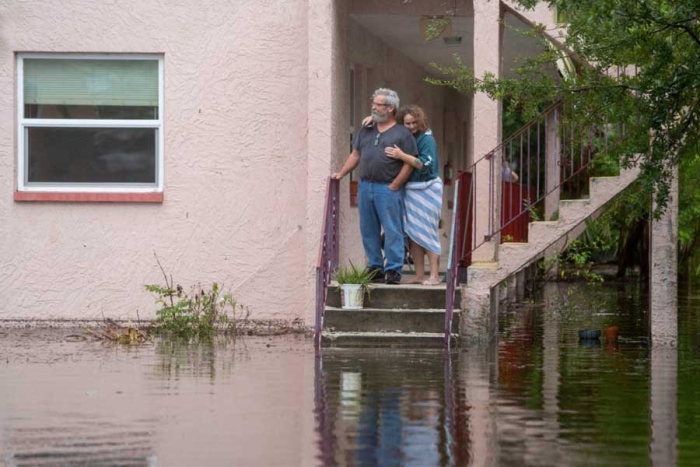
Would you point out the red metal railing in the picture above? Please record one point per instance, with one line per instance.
(558, 138)
(328, 254)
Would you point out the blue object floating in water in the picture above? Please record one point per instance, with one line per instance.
(589, 334)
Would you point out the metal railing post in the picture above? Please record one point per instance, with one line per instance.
(329, 252)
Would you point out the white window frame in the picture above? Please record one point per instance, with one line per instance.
(25, 123)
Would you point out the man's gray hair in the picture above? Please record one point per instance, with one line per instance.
(391, 98)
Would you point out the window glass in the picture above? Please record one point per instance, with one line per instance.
(91, 155)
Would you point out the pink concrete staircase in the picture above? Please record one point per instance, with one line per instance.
(546, 235)
(553, 155)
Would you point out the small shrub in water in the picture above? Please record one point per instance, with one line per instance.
(200, 313)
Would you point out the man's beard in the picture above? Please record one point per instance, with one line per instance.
(380, 117)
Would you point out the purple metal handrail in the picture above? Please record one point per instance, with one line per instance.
(453, 259)
(328, 254)
(530, 150)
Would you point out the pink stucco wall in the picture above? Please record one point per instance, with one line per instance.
(540, 14)
(245, 159)
(327, 120)
(256, 115)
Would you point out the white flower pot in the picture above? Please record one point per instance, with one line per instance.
(352, 296)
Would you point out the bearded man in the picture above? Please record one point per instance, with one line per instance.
(380, 194)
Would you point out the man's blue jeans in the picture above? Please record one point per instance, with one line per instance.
(380, 208)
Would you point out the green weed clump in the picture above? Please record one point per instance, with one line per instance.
(199, 313)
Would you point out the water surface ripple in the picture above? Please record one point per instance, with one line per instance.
(541, 397)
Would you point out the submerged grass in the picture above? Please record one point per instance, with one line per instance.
(111, 331)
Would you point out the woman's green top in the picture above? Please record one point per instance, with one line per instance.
(428, 155)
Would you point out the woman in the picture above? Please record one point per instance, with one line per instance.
(423, 196)
(508, 174)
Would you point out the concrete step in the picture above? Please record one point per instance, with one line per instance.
(539, 228)
(403, 297)
(386, 339)
(574, 209)
(387, 320)
(542, 235)
(603, 189)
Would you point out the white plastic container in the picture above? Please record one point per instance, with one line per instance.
(352, 296)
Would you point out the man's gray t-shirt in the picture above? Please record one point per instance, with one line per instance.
(375, 165)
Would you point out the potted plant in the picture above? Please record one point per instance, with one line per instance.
(353, 282)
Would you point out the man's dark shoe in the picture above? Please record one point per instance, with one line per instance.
(393, 277)
(377, 275)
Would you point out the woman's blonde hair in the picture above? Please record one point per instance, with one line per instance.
(417, 113)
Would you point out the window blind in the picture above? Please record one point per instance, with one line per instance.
(91, 82)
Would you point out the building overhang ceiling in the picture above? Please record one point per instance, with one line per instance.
(403, 33)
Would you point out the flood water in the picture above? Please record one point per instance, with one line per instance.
(541, 397)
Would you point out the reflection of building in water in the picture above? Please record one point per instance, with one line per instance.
(663, 405)
(379, 431)
(419, 442)
(389, 407)
(539, 397)
(114, 412)
(88, 404)
(350, 393)
(520, 411)
(176, 358)
(71, 406)
(74, 440)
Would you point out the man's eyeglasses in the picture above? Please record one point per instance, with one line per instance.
(378, 104)
(376, 139)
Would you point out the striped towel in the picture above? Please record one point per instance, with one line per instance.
(423, 208)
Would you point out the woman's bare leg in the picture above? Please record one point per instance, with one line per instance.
(434, 261)
(418, 255)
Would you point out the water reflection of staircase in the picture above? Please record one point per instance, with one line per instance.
(378, 406)
(393, 316)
